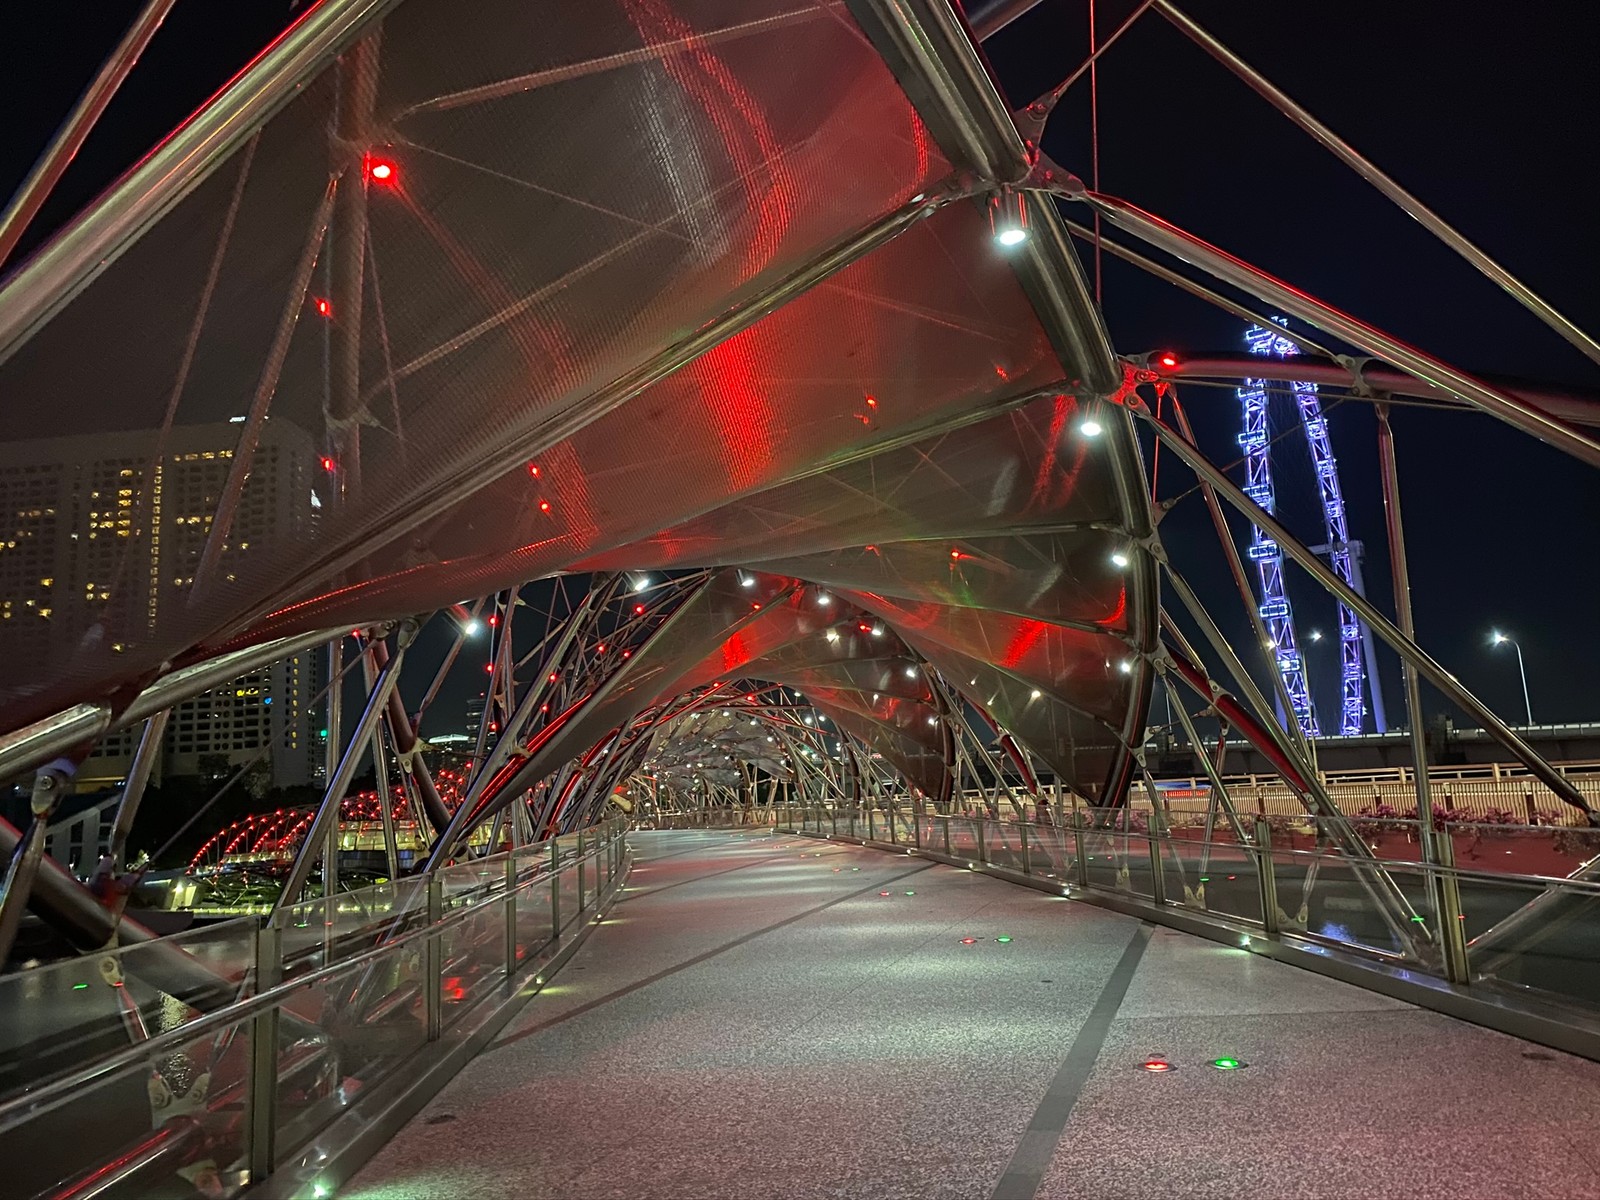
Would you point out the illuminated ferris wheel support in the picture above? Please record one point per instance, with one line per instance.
(1357, 662)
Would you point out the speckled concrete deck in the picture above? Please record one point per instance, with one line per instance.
(758, 1021)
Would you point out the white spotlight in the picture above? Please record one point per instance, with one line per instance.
(1119, 559)
(1091, 428)
(1008, 218)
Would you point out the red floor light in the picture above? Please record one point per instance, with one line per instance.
(1157, 1065)
(969, 941)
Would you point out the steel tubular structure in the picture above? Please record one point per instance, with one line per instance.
(818, 529)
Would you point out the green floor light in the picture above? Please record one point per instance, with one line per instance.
(1004, 937)
(1227, 1064)
(910, 893)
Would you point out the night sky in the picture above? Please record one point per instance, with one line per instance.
(1487, 112)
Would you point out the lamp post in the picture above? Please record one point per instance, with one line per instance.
(1495, 639)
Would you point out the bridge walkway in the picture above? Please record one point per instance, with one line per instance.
(757, 1019)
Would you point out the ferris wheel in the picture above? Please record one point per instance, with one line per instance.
(1358, 673)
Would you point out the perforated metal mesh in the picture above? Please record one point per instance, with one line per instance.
(426, 335)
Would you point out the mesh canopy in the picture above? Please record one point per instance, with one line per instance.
(682, 283)
(641, 169)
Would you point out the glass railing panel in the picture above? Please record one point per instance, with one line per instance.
(1106, 860)
(1003, 840)
(1554, 948)
(1049, 852)
(1341, 900)
(569, 895)
(319, 932)
(64, 1015)
(340, 1036)
(1217, 876)
(963, 838)
(473, 958)
(167, 1125)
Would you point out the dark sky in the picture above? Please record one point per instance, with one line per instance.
(1487, 112)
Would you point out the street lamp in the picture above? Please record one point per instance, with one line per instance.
(1495, 639)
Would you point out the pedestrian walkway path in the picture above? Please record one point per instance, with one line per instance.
(768, 1016)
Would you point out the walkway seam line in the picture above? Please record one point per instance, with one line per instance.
(1031, 1160)
(696, 960)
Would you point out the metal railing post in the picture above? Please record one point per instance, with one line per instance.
(1027, 859)
(261, 1122)
(1158, 881)
(433, 960)
(1078, 855)
(945, 821)
(1452, 928)
(1267, 877)
(982, 840)
(555, 890)
(916, 827)
(582, 900)
(511, 915)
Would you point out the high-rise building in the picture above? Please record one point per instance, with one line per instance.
(101, 537)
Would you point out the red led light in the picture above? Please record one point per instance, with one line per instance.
(327, 463)
(1155, 1064)
(544, 506)
(552, 676)
(494, 620)
(381, 169)
(600, 649)
(489, 667)
(533, 469)
(883, 893)
(638, 610)
(322, 306)
(872, 402)
(1167, 359)
(969, 941)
